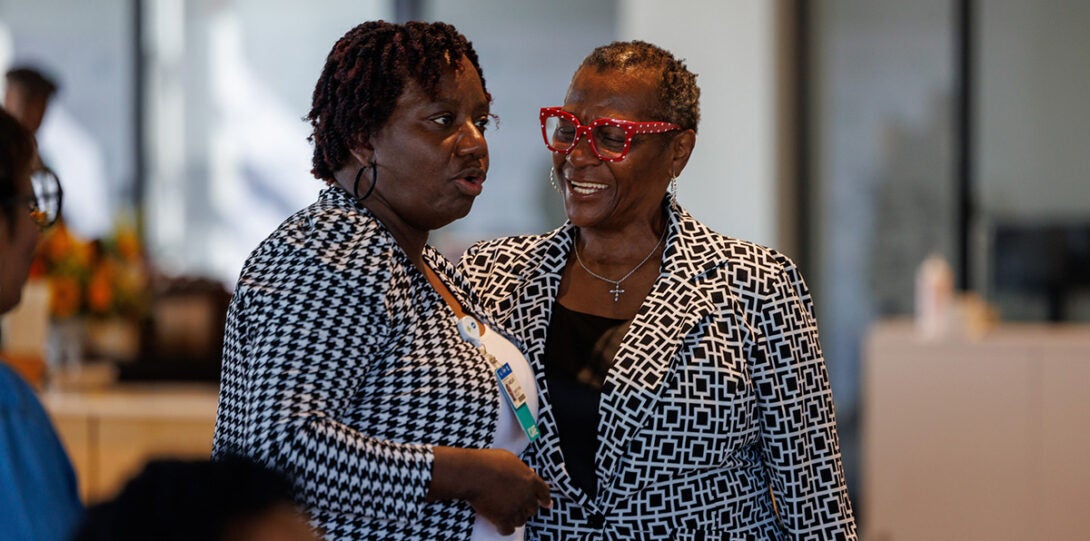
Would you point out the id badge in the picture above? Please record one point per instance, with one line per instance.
(509, 385)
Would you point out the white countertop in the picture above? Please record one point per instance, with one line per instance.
(165, 401)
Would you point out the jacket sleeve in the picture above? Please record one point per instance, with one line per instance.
(798, 426)
(294, 361)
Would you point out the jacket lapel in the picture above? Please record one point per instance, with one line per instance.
(526, 312)
(523, 315)
(635, 382)
(454, 281)
(647, 354)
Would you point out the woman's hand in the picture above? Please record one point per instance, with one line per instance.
(498, 485)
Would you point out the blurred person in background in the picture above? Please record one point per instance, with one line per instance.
(39, 499)
(27, 95)
(64, 146)
(232, 499)
(351, 359)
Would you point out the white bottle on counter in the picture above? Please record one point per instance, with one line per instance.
(934, 297)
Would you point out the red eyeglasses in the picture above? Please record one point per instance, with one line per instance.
(609, 138)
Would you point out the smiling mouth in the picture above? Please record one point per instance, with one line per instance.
(586, 188)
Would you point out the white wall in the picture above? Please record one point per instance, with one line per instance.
(528, 52)
(730, 183)
(229, 83)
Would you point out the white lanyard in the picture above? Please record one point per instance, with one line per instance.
(509, 385)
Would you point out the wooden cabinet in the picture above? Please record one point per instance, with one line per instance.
(977, 438)
(110, 433)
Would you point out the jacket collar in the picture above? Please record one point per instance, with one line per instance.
(648, 353)
(692, 249)
(336, 197)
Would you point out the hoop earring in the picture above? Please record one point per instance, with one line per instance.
(552, 180)
(673, 190)
(356, 184)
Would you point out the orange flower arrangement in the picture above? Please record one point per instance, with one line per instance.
(101, 278)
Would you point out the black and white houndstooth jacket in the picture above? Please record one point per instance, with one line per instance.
(718, 394)
(343, 367)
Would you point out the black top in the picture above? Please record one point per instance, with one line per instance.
(579, 350)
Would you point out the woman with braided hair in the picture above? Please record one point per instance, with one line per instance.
(355, 361)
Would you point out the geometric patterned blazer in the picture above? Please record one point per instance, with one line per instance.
(342, 367)
(717, 396)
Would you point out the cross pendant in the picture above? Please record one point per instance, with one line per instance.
(616, 291)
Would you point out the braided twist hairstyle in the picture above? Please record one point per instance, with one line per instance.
(364, 76)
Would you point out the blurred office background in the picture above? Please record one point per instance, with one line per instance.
(857, 136)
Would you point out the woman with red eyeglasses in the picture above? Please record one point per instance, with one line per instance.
(38, 498)
(684, 394)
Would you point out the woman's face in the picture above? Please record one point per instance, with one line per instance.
(16, 246)
(432, 156)
(612, 195)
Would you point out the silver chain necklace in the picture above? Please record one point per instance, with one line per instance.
(616, 291)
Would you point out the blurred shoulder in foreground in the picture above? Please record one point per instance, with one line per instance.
(172, 500)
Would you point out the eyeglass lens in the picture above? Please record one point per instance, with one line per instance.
(47, 197)
(609, 141)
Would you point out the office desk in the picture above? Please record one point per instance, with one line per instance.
(111, 432)
(977, 439)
